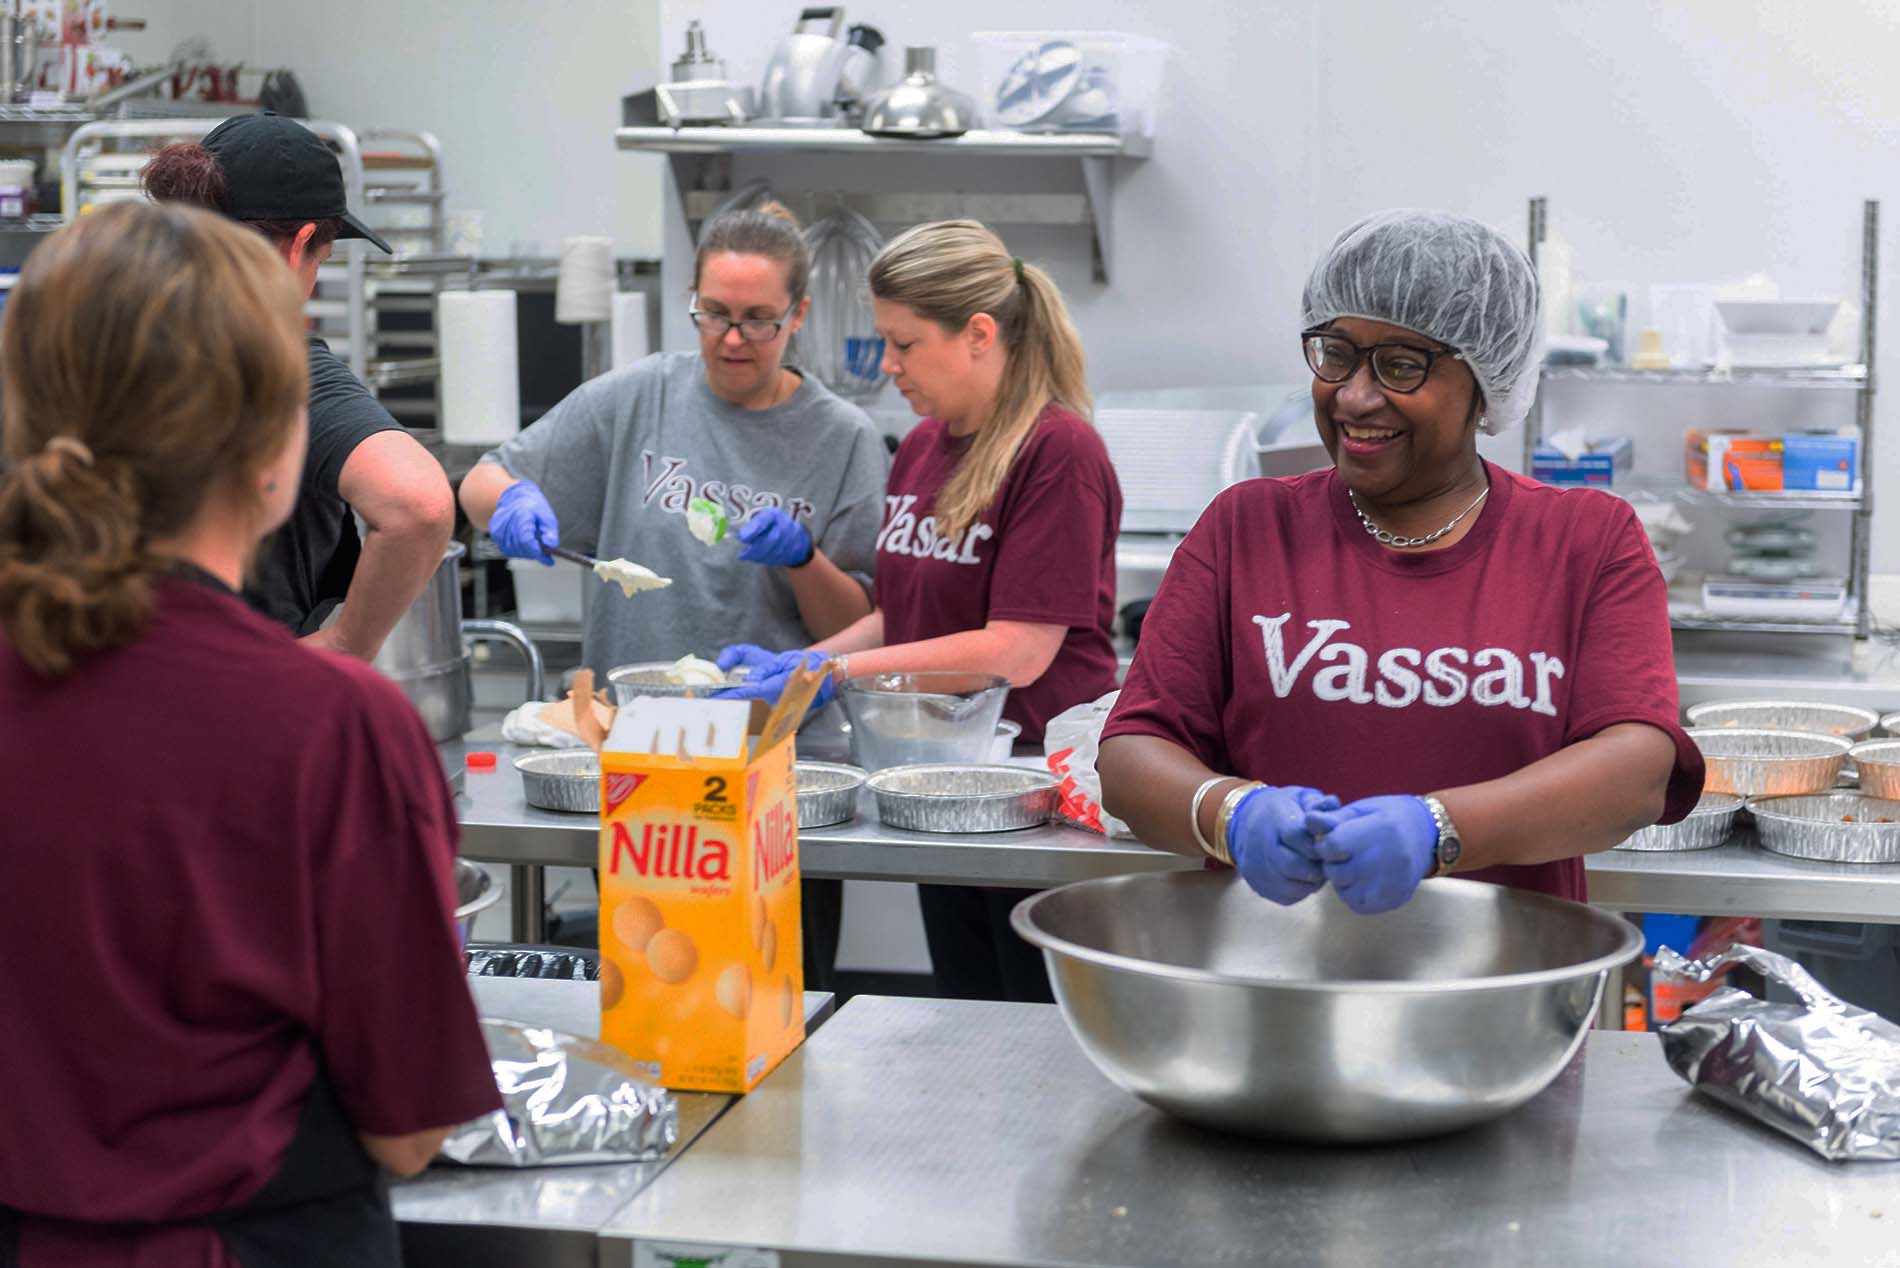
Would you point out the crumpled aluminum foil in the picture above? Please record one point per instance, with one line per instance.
(565, 1101)
(1822, 1071)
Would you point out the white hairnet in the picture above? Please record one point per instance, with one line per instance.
(1449, 278)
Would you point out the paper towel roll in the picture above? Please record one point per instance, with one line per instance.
(481, 381)
(584, 288)
(630, 341)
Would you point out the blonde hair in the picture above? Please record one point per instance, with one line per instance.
(147, 354)
(947, 273)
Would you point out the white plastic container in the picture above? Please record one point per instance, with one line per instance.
(1069, 81)
(544, 594)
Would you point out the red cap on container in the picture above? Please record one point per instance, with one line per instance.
(481, 761)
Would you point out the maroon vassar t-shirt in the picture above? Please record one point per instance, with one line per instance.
(1286, 645)
(1043, 554)
(223, 853)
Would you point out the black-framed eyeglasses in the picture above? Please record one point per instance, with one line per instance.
(1399, 367)
(751, 329)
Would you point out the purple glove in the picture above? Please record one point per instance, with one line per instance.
(772, 537)
(524, 524)
(748, 656)
(771, 673)
(1272, 849)
(1376, 850)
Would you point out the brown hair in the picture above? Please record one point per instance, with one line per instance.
(770, 231)
(190, 174)
(147, 354)
(947, 273)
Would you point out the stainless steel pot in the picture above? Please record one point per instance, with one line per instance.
(1310, 1022)
(427, 653)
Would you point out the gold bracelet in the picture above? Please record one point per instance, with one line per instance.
(1222, 850)
(1194, 812)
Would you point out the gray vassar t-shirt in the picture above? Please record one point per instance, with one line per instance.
(621, 457)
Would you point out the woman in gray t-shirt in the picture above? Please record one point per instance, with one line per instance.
(611, 470)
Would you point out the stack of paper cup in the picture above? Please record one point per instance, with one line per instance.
(481, 382)
(584, 288)
(629, 325)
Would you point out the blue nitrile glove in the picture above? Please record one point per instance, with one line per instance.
(1273, 851)
(748, 656)
(769, 676)
(524, 524)
(1376, 850)
(773, 537)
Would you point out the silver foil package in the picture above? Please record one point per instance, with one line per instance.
(1821, 1071)
(565, 1101)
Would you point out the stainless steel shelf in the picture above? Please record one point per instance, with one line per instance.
(1849, 378)
(852, 141)
(1697, 619)
(1639, 487)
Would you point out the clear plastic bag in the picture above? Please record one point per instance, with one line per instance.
(1072, 741)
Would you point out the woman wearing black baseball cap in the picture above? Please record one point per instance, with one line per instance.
(278, 177)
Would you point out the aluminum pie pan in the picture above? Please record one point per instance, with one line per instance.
(1705, 827)
(1890, 723)
(1877, 767)
(1757, 762)
(566, 780)
(1846, 720)
(827, 793)
(1814, 827)
(652, 678)
(950, 797)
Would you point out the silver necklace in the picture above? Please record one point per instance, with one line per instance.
(1404, 543)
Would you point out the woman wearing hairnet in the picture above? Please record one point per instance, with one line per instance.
(1415, 662)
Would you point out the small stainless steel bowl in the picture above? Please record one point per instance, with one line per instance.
(1839, 827)
(827, 793)
(650, 678)
(1877, 766)
(475, 892)
(946, 797)
(1846, 720)
(1756, 762)
(1312, 1022)
(1707, 826)
(564, 779)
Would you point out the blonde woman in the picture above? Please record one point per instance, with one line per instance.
(247, 999)
(998, 548)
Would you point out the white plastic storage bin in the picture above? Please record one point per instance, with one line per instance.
(544, 594)
(1069, 81)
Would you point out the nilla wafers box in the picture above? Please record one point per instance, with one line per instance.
(701, 972)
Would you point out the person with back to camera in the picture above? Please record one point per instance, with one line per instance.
(276, 176)
(1415, 662)
(233, 993)
(998, 549)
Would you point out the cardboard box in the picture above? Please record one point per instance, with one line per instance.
(1800, 462)
(1607, 458)
(701, 974)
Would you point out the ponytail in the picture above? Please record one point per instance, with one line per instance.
(147, 355)
(950, 271)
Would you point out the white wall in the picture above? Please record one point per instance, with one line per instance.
(1694, 141)
(524, 99)
(169, 23)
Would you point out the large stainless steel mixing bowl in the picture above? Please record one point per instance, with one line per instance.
(1314, 1023)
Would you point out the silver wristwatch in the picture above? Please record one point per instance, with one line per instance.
(1450, 845)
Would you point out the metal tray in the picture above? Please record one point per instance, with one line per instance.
(1849, 721)
(567, 780)
(944, 797)
(1756, 762)
(1706, 827)
(827, 793)
(1814, 827)
(1877, 765)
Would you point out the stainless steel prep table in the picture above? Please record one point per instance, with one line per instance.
(542, 1215)
(950, 1132)
(498, 826)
